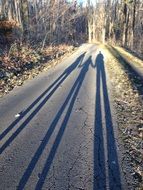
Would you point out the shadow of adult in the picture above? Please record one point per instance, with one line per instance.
(106, 167)
(68, 104)
(44, 97)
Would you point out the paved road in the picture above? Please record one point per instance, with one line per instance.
(65, 136)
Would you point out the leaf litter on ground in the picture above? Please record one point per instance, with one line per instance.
(128, 99)
(21, 63)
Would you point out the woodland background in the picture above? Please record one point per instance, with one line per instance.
(60, 21)
(34, 34)
(31, 30)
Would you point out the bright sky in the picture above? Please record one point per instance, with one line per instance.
(85, 1)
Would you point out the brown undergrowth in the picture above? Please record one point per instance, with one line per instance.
(22, 62)
(128, 99)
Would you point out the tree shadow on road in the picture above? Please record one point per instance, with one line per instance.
(43, 98)
(106, 176)
(68, 104)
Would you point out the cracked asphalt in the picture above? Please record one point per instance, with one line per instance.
(58, 131)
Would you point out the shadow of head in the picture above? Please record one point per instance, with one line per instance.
(99, 58)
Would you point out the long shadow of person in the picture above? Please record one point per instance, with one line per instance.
(106, 167)
(44, 97)
(68, 103)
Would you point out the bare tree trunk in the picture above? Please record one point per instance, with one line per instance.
(133, 24)
(89, 30)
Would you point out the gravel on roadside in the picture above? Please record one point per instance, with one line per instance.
(128, 100)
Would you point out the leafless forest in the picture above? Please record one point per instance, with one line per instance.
(42, 21)
(119, 22)
(35, 36)
(33, 29)
(59, 21)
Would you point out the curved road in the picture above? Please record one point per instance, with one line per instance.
(64, 137)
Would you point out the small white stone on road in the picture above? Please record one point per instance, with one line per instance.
(17, 115)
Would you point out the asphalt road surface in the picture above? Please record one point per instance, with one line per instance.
(58, 132)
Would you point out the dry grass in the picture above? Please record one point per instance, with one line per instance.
(128, 99)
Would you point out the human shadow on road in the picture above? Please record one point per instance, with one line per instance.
(68, 103)
(43, 98)
(104, 140)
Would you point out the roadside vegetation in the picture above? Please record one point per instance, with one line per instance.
(32, 32)
(21, 63)
(36, 34)
(128, 98)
